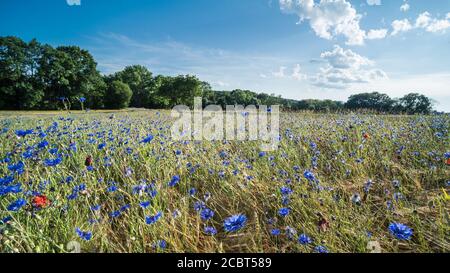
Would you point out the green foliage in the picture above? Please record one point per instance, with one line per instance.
(415, 104)
(141, 82)
(36, 76)
(118, 95)
(181, 89)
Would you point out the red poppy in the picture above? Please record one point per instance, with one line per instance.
(366, 136)
(323, 224)
(88, 161)
(40, 201)
(448, 161)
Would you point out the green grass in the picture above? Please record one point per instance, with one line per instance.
(339, 139)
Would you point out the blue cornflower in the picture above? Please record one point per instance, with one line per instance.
(5, 181)
(304, 239)
(285, 190)
(206, 214)
(262, 154)
(283, 212)
(52, 162)
(368, 185)
(23, 133)
(275, 232)
(16, 205)
(85, 235)
(6, 220)
(4, 190)
(43, 144)
(18, 168)
(144, 204)
(400, 231)
(192, 191)
(309, 175)
(115, 214)
(147, 139)
(82, 99)
(113, 188)
(125, 207)
(235, 222)
(199, 205)
(101, 146)
(152, 219)
(321, 249)
(210, 231)
(175, 179)
(162, 244)
(95, 207)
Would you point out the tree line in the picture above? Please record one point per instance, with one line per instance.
(35, 76)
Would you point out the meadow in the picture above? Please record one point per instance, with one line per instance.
(117, 182)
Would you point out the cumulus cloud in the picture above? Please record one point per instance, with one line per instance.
(374, 2)
(345, 67)
(280, 72)
(296, 74)
(424, 21)
(405, 7)
(73, 2)
(434, 24)
(377, 34)
(400, 26)
(328, 18)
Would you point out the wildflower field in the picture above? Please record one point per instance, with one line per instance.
(117, 182)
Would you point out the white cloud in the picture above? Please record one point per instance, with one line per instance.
(280, 72)
(73, 2)
(296, 74)
(424, 21)
(328, 18)
(377, 34)
(405, 7)
(345, 67)
(401, 26)
(222, 84)
(374, 2)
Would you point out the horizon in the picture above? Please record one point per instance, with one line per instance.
(258, 45)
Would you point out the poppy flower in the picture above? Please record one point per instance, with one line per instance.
(366, 136)
(40, 201)
(88, 161)
(323, 224)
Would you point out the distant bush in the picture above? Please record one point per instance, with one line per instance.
(118, 95)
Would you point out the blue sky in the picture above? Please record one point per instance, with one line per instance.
(295, 48)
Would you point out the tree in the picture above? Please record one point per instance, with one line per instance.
(140, 80)
(118, 95)
(70, 72)
(18, 83)
(372, 101)
(415, 103)
(181, 89)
